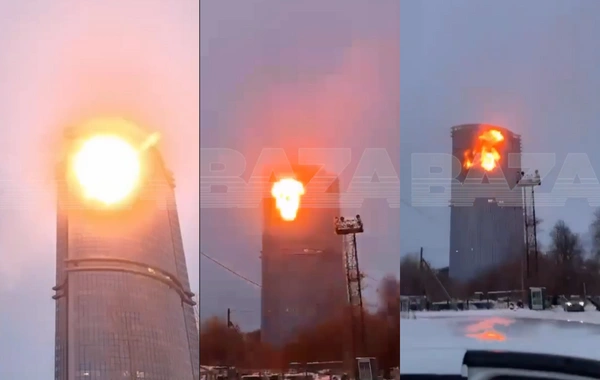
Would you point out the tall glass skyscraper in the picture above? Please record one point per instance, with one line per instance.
(124, 307)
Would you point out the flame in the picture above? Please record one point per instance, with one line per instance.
(107, 167)
(485, 153)
(287, 193)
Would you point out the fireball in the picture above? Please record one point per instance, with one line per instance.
(107, 168)
(485, 153)
(287, 193)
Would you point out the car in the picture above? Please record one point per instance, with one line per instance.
(574, 304)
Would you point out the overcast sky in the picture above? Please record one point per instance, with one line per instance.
(335, 65)
(295, 74)
(63, 61)
(531, 66)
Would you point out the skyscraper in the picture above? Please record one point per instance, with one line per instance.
(303, 278)
(124, 309)
(490, 231)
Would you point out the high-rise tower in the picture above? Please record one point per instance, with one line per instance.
(303, 280)
(486, 217)
(124, 309)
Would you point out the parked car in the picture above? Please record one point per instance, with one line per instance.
(574, 304)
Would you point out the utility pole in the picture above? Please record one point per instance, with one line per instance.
(229, 354)
(229, 323)
(421, 275)
(424, 264)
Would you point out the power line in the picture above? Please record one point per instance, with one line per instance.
(230, 270)
(239, 275)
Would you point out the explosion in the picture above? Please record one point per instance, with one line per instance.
(287, 193)
(108, 167)
(485, 153)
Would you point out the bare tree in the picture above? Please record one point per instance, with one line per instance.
(389, 296)
(565, 245)
(410, 280)
(595, 232)
(567, 252)
(539, 231)
(219, 344)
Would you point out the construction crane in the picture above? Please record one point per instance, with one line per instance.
(348, 228)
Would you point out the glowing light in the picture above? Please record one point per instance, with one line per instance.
(150, 141)
(489, 335)
(287, 193)
(485, 153)
(485, 330)
(108, 168)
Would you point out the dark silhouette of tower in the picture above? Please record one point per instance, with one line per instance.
(303, 278)
(486, 222)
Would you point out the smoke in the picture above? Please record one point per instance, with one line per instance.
(331, 110)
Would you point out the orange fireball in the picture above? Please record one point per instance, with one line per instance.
(485, 153)
(287, 193)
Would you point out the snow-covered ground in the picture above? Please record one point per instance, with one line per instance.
(590, 316)
(435, 342)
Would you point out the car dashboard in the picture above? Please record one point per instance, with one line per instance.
(503, 365)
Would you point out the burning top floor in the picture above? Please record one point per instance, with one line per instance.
(487, 148)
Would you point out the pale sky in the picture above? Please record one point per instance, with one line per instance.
(63, 61)
(530, 66)
(295, 74)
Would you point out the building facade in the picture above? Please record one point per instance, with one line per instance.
(303, 278)
(486, 217)
(124, 308)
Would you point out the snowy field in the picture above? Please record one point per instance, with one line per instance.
(435, 342)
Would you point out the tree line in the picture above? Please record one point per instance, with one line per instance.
(564, 267)
(221, 344)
